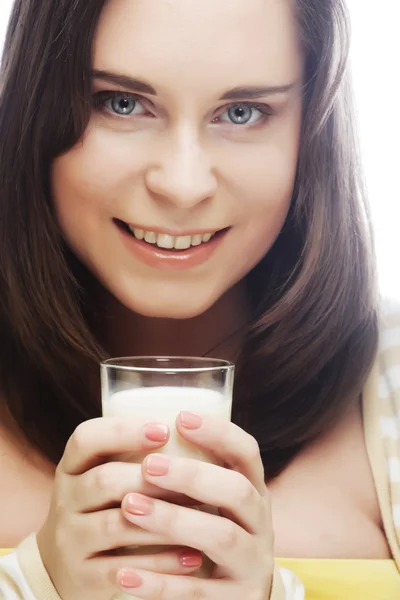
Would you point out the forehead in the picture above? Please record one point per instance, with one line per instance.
(200, 42)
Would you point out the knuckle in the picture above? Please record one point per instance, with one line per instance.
(266, 500)
(197, 593)
(60, 511)
(245, 491)
(166, 519)
(121, 429)
(105, 483)
(59, 472)
(227, 537)
(191, 474)
(252, 450)
(75, 530)
(161, 590)
(267, 503)
(78, 440)
(111, 524)
(60, 496)
(66, 534)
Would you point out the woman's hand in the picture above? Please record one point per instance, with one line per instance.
(86, 525)
(239, 542)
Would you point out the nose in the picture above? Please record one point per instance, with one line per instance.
(182, 174)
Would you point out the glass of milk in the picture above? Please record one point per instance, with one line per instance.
(158, 389)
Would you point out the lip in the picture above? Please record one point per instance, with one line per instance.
(171, 260)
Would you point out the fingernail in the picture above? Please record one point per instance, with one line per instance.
(157, 464)
(129, 580)
(191, 558)
(190, 420)
(156, 432)
(138, 505)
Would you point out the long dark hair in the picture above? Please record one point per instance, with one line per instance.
(314, 334)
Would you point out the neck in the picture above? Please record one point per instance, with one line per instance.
(219, 332)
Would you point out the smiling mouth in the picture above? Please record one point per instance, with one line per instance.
(165, 241)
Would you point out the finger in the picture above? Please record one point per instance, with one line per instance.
(180, 561)
(106, 485)
(222, 540)
(232, 445)
(97, 439)
(212, 485)
(151, 586)
(109, 530)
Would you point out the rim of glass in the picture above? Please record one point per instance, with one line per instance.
(125, 363)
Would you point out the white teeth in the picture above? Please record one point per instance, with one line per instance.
(182, 242)
(197, 240)
(169, 242)
(138, 233)
(165, 241)
(150, 237)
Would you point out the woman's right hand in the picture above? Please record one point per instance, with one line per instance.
(85, 522)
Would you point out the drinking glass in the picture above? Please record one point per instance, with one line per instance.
(157, 389)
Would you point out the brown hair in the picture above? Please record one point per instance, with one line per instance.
(314, 334)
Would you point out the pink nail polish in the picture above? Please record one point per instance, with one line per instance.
(138, 505)
(156, 432)
(129, 580)
(190, 559)
(157, 465)
(190, 420)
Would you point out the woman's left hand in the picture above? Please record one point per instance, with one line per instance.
(239, 541)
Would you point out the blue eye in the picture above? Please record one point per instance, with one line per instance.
(245, 114)
(123, 105)
(119, 104)
(240, 114)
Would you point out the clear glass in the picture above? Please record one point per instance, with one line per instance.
(158, 389)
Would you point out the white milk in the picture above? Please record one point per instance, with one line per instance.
(163, 405)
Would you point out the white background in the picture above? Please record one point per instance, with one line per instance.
(376, 69)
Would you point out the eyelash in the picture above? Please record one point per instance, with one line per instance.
(100, 98)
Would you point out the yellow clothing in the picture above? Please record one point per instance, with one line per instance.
(346, 579)
(370, 579)
(23, 576)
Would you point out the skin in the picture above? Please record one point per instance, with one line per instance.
(181, 169)
(180, 163)
(86, 522)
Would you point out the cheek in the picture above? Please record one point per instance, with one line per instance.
(263, 185)
(95, 174)
(261, 175)
(263, 193)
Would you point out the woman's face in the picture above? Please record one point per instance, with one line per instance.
(194, 131)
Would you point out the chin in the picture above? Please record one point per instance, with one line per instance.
(167, 308)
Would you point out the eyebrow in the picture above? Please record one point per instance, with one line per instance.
(238, 93)
(257, 92)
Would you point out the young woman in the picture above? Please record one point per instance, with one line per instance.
(182, 178)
